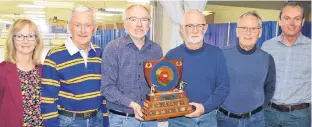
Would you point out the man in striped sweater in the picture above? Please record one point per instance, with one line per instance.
(71, 77)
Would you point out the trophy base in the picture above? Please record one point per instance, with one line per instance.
(160, 106)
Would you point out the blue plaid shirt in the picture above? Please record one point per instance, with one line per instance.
(293, 70)
(122, 72)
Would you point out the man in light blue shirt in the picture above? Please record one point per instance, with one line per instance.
(292, 55)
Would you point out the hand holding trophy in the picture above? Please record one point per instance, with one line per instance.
(162, 102)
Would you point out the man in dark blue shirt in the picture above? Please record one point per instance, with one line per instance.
(252, 77)
(123, 82)
(204, 71)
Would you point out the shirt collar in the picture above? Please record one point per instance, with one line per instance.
(72, 48)
(299, 40)
(243, 51)
(129, 40)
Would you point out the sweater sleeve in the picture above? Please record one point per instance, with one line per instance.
(269, 85)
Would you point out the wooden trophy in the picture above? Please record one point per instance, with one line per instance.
(165, 100)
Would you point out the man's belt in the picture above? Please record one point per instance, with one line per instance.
(86, 115)
(120, 113)
(289, 108)
(240, 116)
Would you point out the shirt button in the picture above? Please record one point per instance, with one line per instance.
(140, 64)
(139, 76)
(140, 87)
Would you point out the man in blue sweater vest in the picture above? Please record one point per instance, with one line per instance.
(204, 71)
(252, 77)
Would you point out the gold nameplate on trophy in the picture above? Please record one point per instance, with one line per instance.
(162, 102)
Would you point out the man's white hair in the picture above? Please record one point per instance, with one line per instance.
(81, 9)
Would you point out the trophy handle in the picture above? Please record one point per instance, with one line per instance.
(152, 90)
(181, 86)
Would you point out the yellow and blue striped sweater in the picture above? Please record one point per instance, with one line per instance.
(67, 84)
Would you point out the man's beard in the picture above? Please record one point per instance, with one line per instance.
(195, 41)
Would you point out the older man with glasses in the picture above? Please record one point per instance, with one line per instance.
(123, 82)
(204, 71)
(252, 77)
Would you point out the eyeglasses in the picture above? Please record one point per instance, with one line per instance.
(251, 29)
(192, 26)
(21, 37)
(136, 20)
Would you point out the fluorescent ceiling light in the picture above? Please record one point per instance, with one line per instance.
(104, 14)
(37, 19)
(115, 9)
(12, 16)
(34, 15)
(45, 4)
(33, 9)
(55, 4)
(6, 22)
(139, 1)
(34, 12)
(30, 6)
(207, 13)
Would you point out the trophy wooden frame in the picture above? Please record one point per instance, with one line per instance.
(162, 102)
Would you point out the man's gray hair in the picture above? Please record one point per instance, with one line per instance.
(292, 4)
(81, 9)
(251, 14)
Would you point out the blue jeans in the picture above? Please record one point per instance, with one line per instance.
(79, 122)
(205, 120)
(125, 121)
(256, 120)
(296, 118)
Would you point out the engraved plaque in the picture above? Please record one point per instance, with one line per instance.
(168, 97)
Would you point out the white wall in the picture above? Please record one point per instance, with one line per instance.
(163, 27)
(45, 52)
(1, 54)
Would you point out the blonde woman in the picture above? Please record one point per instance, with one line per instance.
(20, 76)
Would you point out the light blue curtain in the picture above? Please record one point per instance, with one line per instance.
(216, 34)
(120, 33)
(232, 37)
(306, 29)
(268, 32)
(148, 34)
(103, 37)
